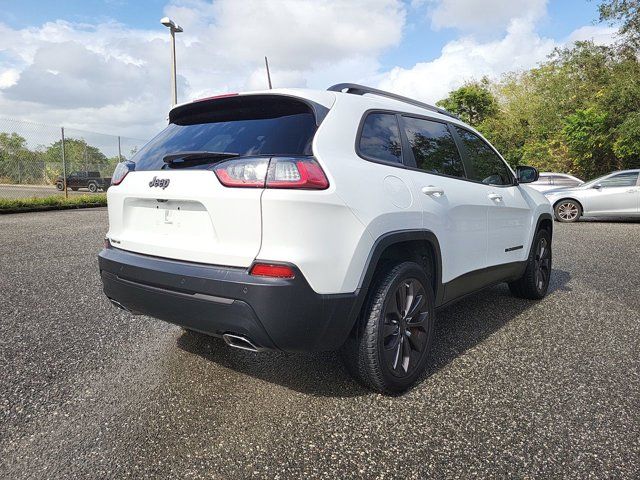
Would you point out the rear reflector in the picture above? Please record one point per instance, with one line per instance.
(270, 270)
(275, 172)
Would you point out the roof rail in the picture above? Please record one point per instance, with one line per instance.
(356, 89)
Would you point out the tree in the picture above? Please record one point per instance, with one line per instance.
(627, 144)
(16, 160)
(78, 154)
(473, 102)
(627, 14)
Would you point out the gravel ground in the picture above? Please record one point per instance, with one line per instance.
(515, 388)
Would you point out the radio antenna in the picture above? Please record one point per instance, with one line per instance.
(266, 63)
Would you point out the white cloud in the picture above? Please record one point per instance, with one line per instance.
(483, 15)
(467, 59)
(108, 77)
(597, 34)
(111, 78)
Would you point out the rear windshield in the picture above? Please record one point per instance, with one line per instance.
(244, 125)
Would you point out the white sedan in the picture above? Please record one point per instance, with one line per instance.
(550, 180)
(614, 195)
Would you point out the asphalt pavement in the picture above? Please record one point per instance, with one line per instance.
(515, 388)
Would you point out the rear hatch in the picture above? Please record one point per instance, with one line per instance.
(172, 205)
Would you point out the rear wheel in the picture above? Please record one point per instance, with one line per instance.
(389, 351)
(567, 211)
(93, 188)
(60, 186)
(535, 281)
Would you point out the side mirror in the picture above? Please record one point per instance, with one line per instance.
(527, 174)
(597, 186)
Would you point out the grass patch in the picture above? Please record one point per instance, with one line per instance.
(51, 203)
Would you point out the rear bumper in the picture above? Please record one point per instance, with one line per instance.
(274, 313)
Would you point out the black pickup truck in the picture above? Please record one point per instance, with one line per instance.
(81, 179)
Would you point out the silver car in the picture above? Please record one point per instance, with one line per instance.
(552, 181)
(616, 194)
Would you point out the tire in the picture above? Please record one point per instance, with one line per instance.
(93, 188)
(60, 186)
(567, 211)
(535, 281)
(389, 348)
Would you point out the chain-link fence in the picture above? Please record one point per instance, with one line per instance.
(36, 159)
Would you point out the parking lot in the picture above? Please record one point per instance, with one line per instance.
(515, 388)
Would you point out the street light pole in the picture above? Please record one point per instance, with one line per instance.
(173, 28)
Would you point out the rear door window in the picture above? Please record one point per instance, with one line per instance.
(486, 166)
(248, 125)
(380, 138)
(433, 147)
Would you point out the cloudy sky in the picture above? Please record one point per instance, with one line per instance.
(104, 65)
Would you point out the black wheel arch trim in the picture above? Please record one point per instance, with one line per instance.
(387, 240)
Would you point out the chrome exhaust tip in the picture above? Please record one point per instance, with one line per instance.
(241, 342)
(122, 307)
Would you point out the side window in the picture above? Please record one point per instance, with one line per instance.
(627, 179)
(380, 138)
(433, 146)
(487, 166)
(544, 180)
(566, 181)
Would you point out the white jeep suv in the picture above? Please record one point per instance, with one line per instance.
(303, 220)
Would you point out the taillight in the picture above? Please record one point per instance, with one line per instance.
(121, 171)
(277, 172)
(272, 270)
(243, 173)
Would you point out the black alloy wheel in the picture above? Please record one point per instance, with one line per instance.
(405, 332)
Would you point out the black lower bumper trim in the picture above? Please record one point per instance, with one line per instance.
(273, 313)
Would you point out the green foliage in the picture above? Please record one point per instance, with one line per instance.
(26, 204)
(472, 102)
(575, 113)
(626, 12)
(627, 144)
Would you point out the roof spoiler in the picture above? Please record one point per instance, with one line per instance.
(356, 89)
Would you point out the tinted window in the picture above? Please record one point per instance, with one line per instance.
(565, 181)
(487, 166)
(627, 179)
(433, 147)
(380, 138)
(250, 125)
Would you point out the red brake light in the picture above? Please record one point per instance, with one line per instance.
(243, 173)
(270, 270)
(277, 172)
(296, 173)
(224, 95)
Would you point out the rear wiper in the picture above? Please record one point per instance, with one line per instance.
(197, 157)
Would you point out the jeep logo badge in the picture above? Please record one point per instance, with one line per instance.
(159, 182)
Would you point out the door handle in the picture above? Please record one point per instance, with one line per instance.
(433, 191)
(495, 196)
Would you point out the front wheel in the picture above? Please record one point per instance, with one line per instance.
(567, 211)
(93, 188)
(60, 186)
(535, 281)
(388, 352)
